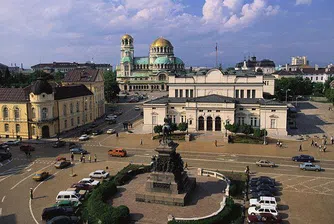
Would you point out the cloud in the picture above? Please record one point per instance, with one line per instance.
(303, 2)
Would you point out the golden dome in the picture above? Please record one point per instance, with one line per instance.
(126, 36)
(161, 42)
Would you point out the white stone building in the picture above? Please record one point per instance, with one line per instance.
(209, 99)
(299, 60)
(266, 66)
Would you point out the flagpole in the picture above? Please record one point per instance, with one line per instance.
(216, 55)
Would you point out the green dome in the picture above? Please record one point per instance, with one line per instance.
(178, 61)
(126, 59)
(162, 60)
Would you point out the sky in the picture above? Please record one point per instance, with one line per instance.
(45, 31)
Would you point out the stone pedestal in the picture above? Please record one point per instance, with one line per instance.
(188, 137)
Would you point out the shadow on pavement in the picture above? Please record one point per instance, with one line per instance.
(8, 219)
(306, 106)
(205, 189)
(135, 217)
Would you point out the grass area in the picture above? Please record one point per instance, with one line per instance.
(247, 139)
(238, 181)
(174, 136)
(319, 99)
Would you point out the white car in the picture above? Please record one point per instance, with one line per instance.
(83, 137)
(262, 209)
(267, 201)
(137, 108)
(113, 116)
(12, 142)
(111, 131)
(99, 174)
(89, 181)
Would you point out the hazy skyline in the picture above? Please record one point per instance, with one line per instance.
(78, 30)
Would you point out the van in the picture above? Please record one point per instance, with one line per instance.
(263, 201)
(117, 152)
(68, 195)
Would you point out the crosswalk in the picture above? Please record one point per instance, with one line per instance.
(12, 171)
(36, 161)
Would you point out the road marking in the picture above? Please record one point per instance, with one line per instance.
(8, 162)
(28, 177)
(3, 198)
(29, 165)
(29, 170)
(0, 211)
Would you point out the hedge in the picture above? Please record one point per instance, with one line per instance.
(97, 210)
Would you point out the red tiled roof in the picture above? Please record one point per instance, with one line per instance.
(81, 75)
(13, 95)
(65, 92)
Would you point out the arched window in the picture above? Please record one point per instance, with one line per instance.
(16, 113)
(5, 113)
(77, 106)
(90, 104)
(33, 112)
(71, 108)
(17, 128)
(201, 123)
(44, 113)
(6, 127)
(65, 109)
(33, 130)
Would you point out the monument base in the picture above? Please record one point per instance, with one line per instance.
(175, 199)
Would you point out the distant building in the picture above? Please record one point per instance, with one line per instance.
(266, 66)
(3, 68)
(299, 60)
(68, 66)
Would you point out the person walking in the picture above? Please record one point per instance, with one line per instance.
(90, 158)
(312, 143)
(116, 134)
(83, 158)
(31, 193)
(186, 166)
(300, 148)
(325, 147)
(80, 158)
(94, 157)
(332, 140)
(141, 141)
(216, 143)
(72, 157)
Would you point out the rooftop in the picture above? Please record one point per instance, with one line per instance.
(81, 75)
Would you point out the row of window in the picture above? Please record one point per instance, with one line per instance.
(241, 93)
(188, 93)
(17, 128)
(255, 122)
(5, 113)
(316, 78)
(78, 121)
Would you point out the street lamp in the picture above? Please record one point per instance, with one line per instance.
(265, 120)
(286, 95)
(297, 97)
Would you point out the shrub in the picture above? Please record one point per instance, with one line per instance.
(158, 129)
(257, 132)
(183, 126)
(232, 127)
(173, 127)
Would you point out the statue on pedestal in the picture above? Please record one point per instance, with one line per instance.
(166, 130)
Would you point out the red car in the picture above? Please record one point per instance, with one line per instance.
(27, 148)
(81, 186)
(59, 158)
(264, 218)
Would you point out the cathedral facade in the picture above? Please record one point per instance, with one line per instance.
(148, 72)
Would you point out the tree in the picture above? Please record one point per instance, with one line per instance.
(158, 129)
(232, 127)
(183, 126)
(111, 89)
(173, 127)
(297, 86)
(58, 76)
(246, 129)
(318, 89)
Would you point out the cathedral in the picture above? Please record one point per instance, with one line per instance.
(150, 72)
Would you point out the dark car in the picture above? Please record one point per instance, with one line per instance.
(303, 158)
(62, 164)
(51, 212)
(86, 131)
(64, 220)
(5, 155)
(82, 186)
(264, 218)
(73, 145)
(59, 144)
(97, 132)
(261, 194)
(262, 181)
(78, 151)
(27, 148)
(118, 112)
(263, 187)
(4, 147)
(93, 125)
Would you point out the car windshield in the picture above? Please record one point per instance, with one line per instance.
(38, 174)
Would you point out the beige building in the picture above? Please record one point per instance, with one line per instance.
(209, 99)
(43, 111)
(299, 60)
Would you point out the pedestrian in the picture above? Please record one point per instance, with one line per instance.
(95, 157)
(20, 139)
(29, 153)
(278, 143)
(312, 143)
(320, 148)
(26, 152)
(81, 158)
(90, 158)
(72, 157)
(186, 166)
(325, 148)
(84, 158)
(332, 140)
(216, 143)
(116, 134)
(141, 141)
(315, 144)
(325, 142)
(300, 148)
(31, 193)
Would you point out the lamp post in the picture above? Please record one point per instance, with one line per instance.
(286, 95)
(297, 97)
(265, 120)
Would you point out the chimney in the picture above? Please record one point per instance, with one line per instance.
(316, 67)
(15, 64)
(22, 65)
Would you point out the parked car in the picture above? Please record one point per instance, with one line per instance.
(112, 121)
(133, 100)
(265, 163)
(64, 220)
(84, 137)
(82, 186)
(40, 175)
(93, 125)
(263, 179)
(303, 158)
(137, 108)
(89, 181)
(51, 212)
(4, 147)
(87, 131)
(59, 144)
(73, 204)
(13, 142)
(62, 164)
(263, 187)
(27, 148)
(309, 166)
(78, 151)
(111, 131)
(262, 209)
(112, 116)
(118, 112)
(264, 218)
(99, 174)
(120, 152)
(263, 200)
(73, 145)
(261, 182)
(68, 196)
(5, 155)
(97, 132)
(257, 194)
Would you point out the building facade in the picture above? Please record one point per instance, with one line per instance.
(148, 72)
(69, 66)
(208, 100)
(42, 110)
(266, 66)
(299, 60)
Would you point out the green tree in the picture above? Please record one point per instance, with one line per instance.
(173, 127)
(111, 89)
(232, 128)
(158, 129)
(246, 129)
(58, 76)
(318, 89)
(297, 86)
(183, 126)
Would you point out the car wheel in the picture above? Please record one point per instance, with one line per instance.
(272, 166)
(252, 213)
(260, 165)
(317, 170)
